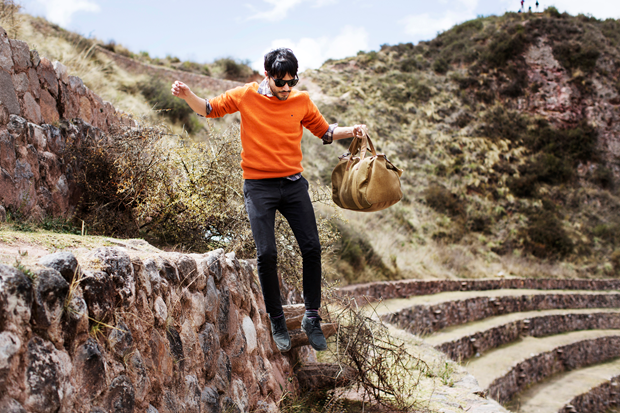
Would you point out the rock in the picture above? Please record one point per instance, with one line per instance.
(229, 406)
(21, 55)
(240, 395)
(47, 77)
(194, 304)
(75, 320)
(64, 262)
(152, 273)
(18, 127)
(187, 269)
(99, 294)
(168, 271)
(176, 346)
(8, 97)
(9, 405)
(223, 318)
(34, 86)
(139, 376)
(49, 109)
(2, 214)
(324, 376)
(121, 340)
(21, 83)
(117, 264)
(237, 351)
(160, 356)
(142, 276)
(6, 55)
(210, 345)
(31, 109)
(192, 394)
(10, 344)
(212, 300)
(34, 58)
(7, 151)
(38, 138)
(161, 311)
(90, 372)
(45, 377)
(50, 293)
(16, 296)
(151, 409)
(121, 396)
(223, 372)
(210, 400)
(61, 71)
(250, 334)
(213, 261)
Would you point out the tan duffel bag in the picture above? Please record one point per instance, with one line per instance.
(364, 183)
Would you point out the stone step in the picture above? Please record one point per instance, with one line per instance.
(427, 319)
(576, 388)
(509, 370)
(324, 376)
(530, 323)
(498, 362)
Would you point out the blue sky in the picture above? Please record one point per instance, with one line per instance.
(316, 30)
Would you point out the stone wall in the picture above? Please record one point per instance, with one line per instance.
(565, 358)
(478, 343)
(599, 399)
(125, 332)
(193, 80)
(425, 319)
(386, 290)
(41, 107)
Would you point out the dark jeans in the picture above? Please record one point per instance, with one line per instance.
(262, 198)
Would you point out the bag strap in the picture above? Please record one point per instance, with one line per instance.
(361, 144)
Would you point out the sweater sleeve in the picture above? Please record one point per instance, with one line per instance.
(314, 121)
(226, 103)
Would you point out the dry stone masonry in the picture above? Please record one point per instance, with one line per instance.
(41, 108)
(120, 332)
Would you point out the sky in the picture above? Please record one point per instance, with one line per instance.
(316, 30)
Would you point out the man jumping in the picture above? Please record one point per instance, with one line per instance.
(273, 115)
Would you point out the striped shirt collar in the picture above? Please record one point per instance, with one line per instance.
(264, 88)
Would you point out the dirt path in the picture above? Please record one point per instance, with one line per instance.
(456, 332)
(498, 362)
(564, 387)
(396, 304)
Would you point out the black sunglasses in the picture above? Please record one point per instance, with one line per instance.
(282, 82)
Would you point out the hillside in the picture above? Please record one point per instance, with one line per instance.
(507, 129)
(504, 126)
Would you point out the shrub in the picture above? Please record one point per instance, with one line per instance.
(553, 12)
(232, 69)
(504, 47)
(500, 123)
(545, 237)
(574, 55)
(177, 193)
(157, 93)
(442, 200)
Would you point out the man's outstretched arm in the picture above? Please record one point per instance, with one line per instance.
(343, 132)
(181, 90)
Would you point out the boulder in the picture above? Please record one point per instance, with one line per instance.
(64, 262)
(49, 109)
(99, 294)
(49, 299)
(116, 263)
(121, 396)
(21, 55)
(89, 369)
(6, 55)
(16, 297)
(47, 77)
(8, 96)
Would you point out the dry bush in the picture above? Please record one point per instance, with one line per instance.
(178, 193)
(386, 371)
(8, 17)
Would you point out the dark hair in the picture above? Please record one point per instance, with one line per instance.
(281, 61)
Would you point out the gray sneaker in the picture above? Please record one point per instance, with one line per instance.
(312, 327)
(280, 334)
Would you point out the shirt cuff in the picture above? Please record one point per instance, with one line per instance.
(209, 107)
(329, 135)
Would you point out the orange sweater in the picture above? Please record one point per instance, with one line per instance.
(271, 129)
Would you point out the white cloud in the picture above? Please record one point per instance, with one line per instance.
(423, 26)
(601, 9)
(281, 8)
(61, 11)
(313, 52)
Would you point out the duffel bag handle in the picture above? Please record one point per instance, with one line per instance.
(361, 144)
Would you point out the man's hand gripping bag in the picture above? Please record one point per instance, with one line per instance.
(364, 183)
